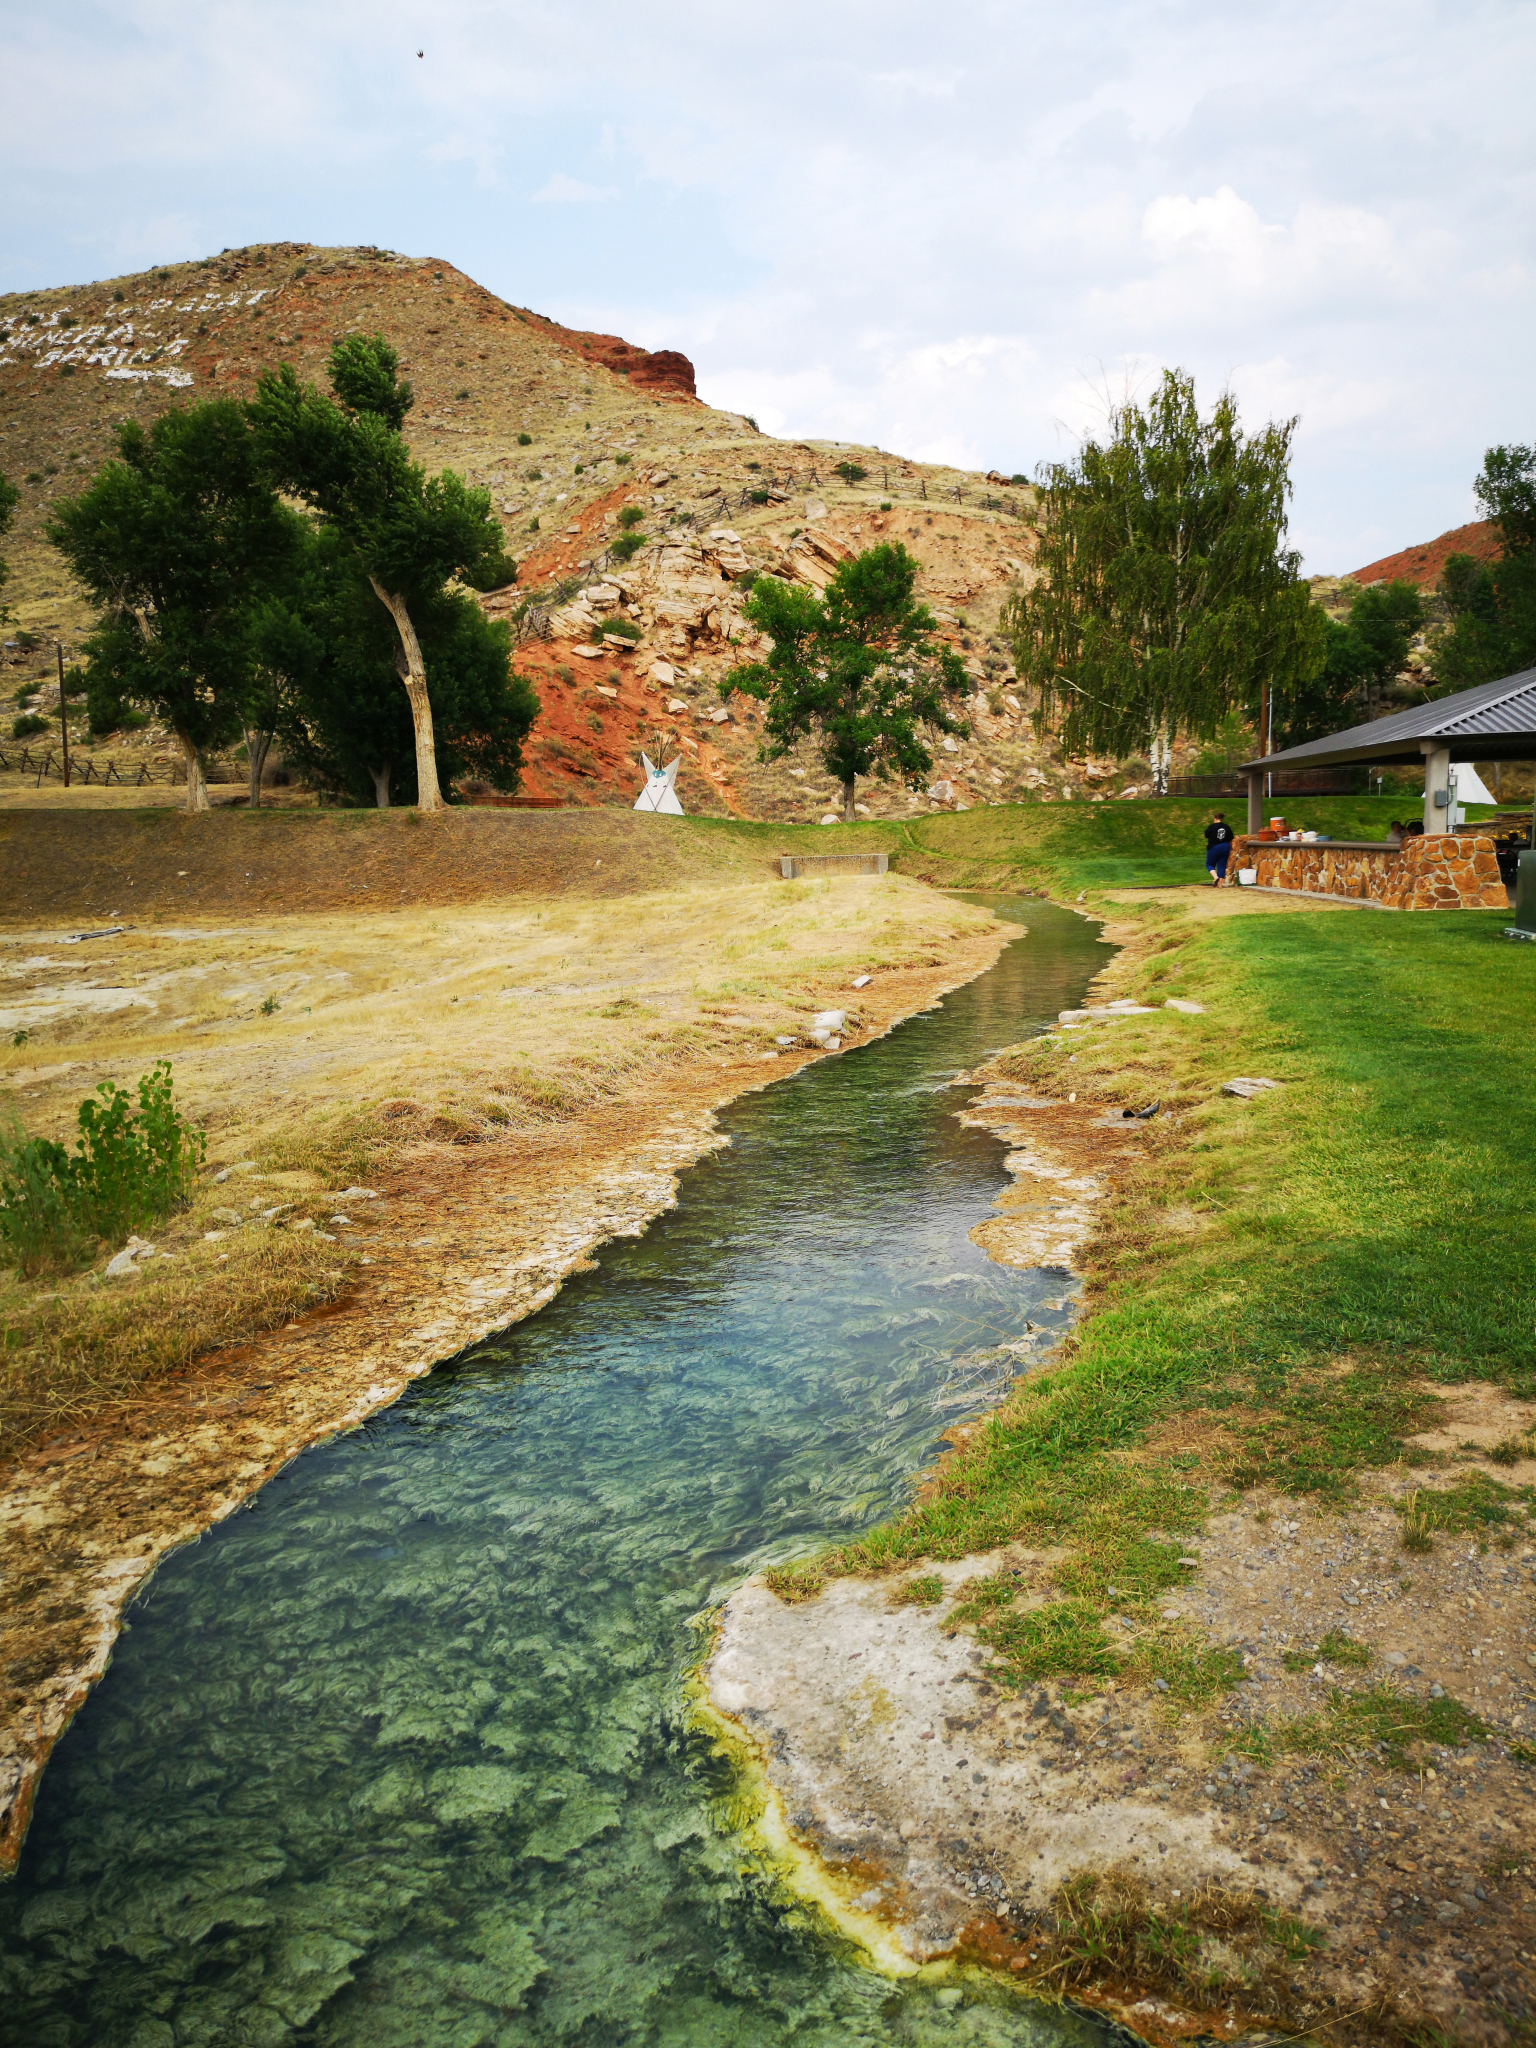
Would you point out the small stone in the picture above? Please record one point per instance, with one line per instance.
(120, 1267)
(240, 1166)
(860, 981)
(303, 1223)
(1247, 1085)
(1447, 1911)
(214, 1236)
(226, 1216)
(1161, 1684)
(1437, 1691)
(1188, 1009)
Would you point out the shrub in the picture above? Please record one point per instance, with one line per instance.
(626, 545)
(632, 515)
(525, 440)
(851, 472)
(464, 393)
(623, 456)
(885, 504)
(129, 1168)
(620, 629)
(758, 497)
(27, 724)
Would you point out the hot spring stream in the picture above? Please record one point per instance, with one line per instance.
(399, 1755)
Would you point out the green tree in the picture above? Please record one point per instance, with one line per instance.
(1165, 594)
(1490, 625)
(10, 498)
(341, 713)
(178, 541)
(856, 667)
(410, 533)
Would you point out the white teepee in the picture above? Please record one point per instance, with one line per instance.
(659, 793)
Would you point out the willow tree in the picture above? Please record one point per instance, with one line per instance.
(411, 534)
(856, 667)
(1165, 595)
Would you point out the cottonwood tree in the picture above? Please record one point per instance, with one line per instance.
(410, 533)
(178, 541)
(342, 715)
(856, 667)
(1165, 595)
(1490, 627)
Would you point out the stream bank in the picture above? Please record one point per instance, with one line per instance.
(1204, 1696)
(404, 1753)
(453, 1241)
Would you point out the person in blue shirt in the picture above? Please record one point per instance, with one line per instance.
(1218, 845)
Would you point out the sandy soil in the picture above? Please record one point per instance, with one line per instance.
(527, 1078)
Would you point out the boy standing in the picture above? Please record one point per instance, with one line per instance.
(1218, 845)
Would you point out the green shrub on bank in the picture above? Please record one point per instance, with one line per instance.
(130, 1168)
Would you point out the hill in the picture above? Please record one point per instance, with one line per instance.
(565, 429)
(1422, 564)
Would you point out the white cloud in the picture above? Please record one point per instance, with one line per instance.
(563, 191)
(951, 238)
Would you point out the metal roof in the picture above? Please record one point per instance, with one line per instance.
(1494, 722)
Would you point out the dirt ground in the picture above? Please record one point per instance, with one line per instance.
(419, 1122)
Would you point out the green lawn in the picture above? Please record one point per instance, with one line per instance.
(1065, 847)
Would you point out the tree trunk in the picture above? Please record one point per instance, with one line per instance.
(381, 785)
(257, 744)
(1162, 751)
(428, 796)
(848, 801)
(197, 789)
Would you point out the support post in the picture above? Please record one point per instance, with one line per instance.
(1437, 780)
(1255, 800)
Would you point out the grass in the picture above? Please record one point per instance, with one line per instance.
(1062, 848)
(439, 1040)
(1347, 1245)
(1391, 1724)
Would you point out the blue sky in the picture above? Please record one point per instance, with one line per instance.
(955, 231)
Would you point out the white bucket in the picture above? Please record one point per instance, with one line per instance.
(1247, 876)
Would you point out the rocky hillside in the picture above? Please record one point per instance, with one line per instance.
(1423, 563)
(566, 430)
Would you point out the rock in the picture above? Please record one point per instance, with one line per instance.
(226, 1216)
(831, 819)
(340, 1219)
(815, 509)
(240, 1166)
(358, 1195)
(676, 704)
(589, 654)
(1246, 1085)
(214, 1236)
(829, 1020)
(951, 744)
(303, 1223)
(720, 717)
(1395, 1657)
(1188, 1009)
(602, 689)
(1447, 1911)
(786, 1041)
(942, 792)
(120, 1267)
(663, 673)
(860, 981)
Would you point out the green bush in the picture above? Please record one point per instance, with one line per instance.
(852, 472)
(626, 545)
(130, 1168)
(623, 456)
(618, 629)
(632, 515)
(27, 724)
(525, 440)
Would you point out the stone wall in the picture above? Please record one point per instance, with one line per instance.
(1444, 872)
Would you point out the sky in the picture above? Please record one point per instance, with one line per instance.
(960, 232)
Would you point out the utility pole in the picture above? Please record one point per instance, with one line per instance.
(58, 648)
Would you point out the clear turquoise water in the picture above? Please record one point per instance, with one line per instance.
(398, 1756)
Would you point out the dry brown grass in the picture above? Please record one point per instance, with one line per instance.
(394, 1037)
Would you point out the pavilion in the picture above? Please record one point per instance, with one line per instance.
(1494, 722)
